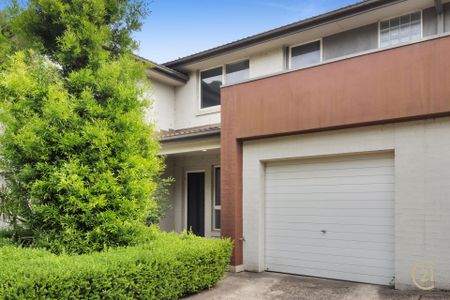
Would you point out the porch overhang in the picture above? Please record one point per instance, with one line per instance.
(189, 140)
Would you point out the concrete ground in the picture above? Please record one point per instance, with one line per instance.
(267, 285)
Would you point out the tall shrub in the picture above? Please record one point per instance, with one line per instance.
(79, 161)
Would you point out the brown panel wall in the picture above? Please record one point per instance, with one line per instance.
(403, 82)
(397, 84)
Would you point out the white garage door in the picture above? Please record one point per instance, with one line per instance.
(331, 217)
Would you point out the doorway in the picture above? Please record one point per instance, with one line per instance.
(196, 202)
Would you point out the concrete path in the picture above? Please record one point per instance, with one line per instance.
(263, 286)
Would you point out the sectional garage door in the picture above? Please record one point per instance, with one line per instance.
(331, 217)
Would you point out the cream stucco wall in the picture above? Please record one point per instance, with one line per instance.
(187, 106)
(266, 63)
(422, 188)
(162, 110)
(176, 216)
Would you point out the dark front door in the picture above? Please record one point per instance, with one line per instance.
(196, 203)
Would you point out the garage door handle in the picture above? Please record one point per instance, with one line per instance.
(323, 231)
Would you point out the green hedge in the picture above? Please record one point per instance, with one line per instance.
(167, 267)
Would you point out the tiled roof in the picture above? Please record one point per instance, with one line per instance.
(191, 131)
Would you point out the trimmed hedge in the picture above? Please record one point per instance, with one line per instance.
(167, 267)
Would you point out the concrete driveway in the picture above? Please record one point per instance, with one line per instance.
(280, 286)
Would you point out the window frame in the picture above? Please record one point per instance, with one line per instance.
(232, 63)
(215, 207)
(210, 108)
(398, 16)
(215, 108)
(289, 65)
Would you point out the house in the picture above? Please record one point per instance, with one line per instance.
(322, 147)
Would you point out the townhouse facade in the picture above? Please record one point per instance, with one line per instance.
(321, 148)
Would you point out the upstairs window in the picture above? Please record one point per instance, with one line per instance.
(211, 81)
(401, 29)
(305, 55)
(236, 72)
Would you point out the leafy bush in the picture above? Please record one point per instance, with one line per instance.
(5, 237)
(167, 267)
(79, 161)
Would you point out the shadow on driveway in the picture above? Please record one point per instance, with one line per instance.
(267, 285)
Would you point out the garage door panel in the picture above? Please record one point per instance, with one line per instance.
(325, 181)
(333, 266)
(349, 258)
(362, 196)
(293, 243)
(331, 236)
(330, 212)
(330, 220)
(331, 227)
(323, 189)
(331, 173)
(333, 274)
(343, 204)
(350, 198)
(331, 250)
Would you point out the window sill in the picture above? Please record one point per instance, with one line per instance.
(208, 111)
(215, 233)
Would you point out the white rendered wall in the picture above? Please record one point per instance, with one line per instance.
(266, 63)
(422, 188)
(187, 106)
(162, 110)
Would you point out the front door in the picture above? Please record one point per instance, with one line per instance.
(196, 203)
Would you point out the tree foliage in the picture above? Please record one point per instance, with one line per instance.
(79, 161)
(79, 33)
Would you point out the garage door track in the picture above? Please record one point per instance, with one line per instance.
(280, 286)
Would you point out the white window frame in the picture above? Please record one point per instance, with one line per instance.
(235, 62)
(396, 16)
(213, 205)
(301, 44)
(215, 108)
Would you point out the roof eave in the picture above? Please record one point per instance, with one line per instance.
(164, 70)
(335, 15)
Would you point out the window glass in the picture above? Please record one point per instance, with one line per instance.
(400, 29)
(305, 55)
(211, 81)
(216, 204)
(416, 26)
(217, 186)
(237, 72)
(217, 219)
